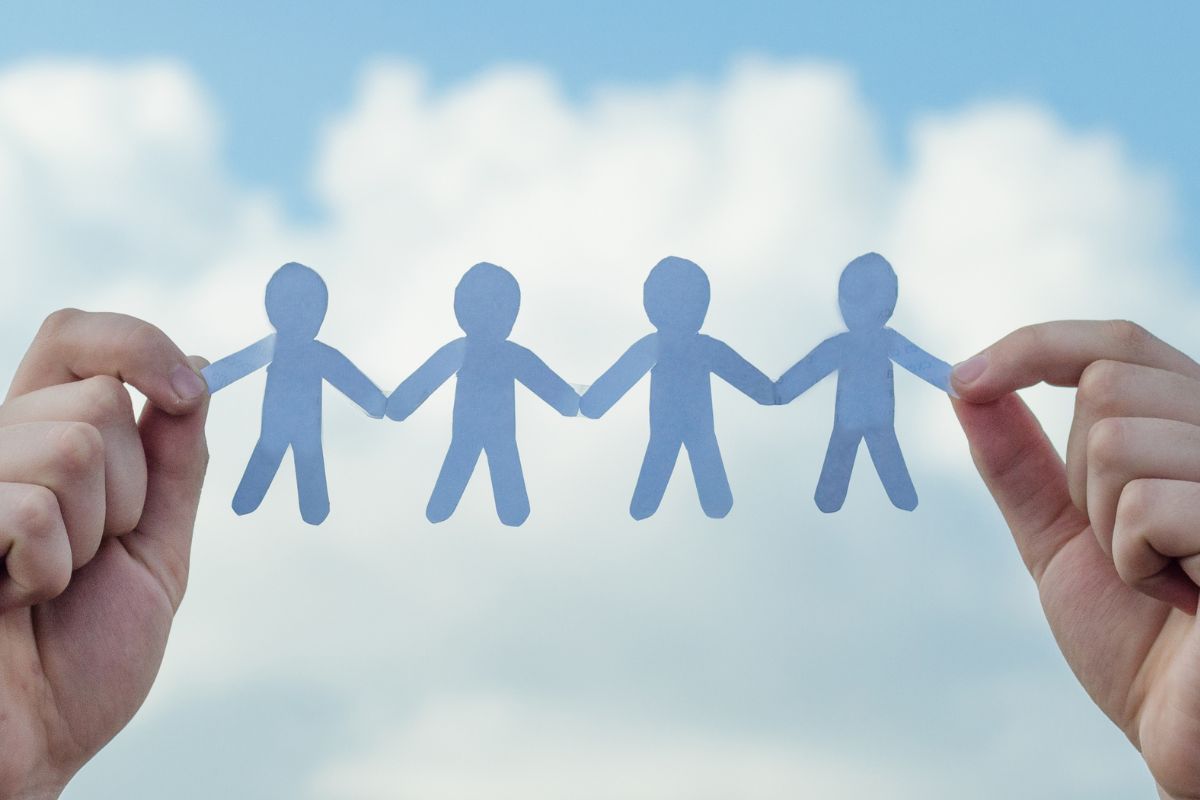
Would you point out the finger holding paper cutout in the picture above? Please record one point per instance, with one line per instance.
(1121, 369)
(680, 361)
(1125, 621)
(1058, 352)
(1135, 430)
(487, 365)
(865, 407)
(297, 366)
(96, 516)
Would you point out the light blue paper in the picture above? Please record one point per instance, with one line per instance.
(680, 360)
(866, 395)
(297, 365)
(238, 365)
(487, 364)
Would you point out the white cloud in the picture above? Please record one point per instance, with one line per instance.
(772, 178)
(489, 747)
(112, 172)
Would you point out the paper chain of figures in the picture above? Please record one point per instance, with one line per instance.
(678, 357)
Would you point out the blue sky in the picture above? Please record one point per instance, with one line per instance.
(279, 69)
(1007, 159)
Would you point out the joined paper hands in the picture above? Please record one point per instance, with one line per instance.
(487, 366)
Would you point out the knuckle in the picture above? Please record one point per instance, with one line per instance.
(1135, 506)
(1130, 334)
(144, 337)
(125, 503)
(1124, 564)
(50, 572)
(58, 575)
(1101, 387)
(78, 449)
(1028, 338)
(106, 398)
(1106, 443)
(36, 513)
(54, 580)
(56, 321)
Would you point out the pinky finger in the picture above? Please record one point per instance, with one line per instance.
(34, 546)
(1156, 540)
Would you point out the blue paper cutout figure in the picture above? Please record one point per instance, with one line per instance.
(866, 394)
(297, 365)
(680, 360)
(487, 364)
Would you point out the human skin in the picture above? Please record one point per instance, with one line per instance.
(1111, 536)
(96, 516)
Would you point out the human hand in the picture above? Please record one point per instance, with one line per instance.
(96, 515)
(1112, 537)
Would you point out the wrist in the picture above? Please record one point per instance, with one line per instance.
(33, 792)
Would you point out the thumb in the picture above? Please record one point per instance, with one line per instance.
(176, 460)
(1025, 475)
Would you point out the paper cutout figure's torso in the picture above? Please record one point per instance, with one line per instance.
(485, 396)
(680, 378)
(294, 379)
(866, 396)
(487, 366)
(865, 366)
(297, 367)
(681, 361)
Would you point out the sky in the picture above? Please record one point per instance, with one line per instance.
(280, 70)
(1015, 165)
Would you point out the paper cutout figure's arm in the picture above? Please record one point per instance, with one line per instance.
(350, 381)
(805, 373)
(543, 381)
(928, 368)
(739, 373)
(620, 377)
(416, 388)
(236, 366)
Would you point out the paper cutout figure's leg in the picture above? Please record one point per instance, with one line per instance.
(260, 471)
(508, 482)
(310, 480)
(712, 484)
(835, 473)
(452, 480)
(889, 463)
(657, 467)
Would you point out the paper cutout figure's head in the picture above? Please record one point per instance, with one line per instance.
(867, 292)
(486, 301)
(296, 300)
(676, 295)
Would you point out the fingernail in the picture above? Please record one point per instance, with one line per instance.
(187, 383)
(968, 371)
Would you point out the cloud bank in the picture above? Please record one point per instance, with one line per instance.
(778, 653)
